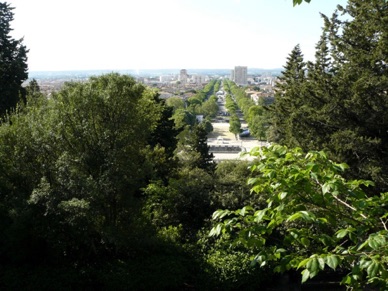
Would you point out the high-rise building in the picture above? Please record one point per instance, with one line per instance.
(183, 76)
(239, 75)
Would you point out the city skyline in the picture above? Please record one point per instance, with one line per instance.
(170, 34)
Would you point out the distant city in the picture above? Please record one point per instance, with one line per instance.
(82, 74)
(169, 82)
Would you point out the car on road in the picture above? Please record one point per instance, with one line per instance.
(245, 133)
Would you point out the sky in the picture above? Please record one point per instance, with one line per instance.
(166, 34)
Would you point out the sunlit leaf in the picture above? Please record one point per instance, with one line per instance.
(373, 269)
(332, 261)
(259, 215)
(305, 275)
(342, 233)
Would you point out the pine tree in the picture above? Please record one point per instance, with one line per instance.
(341, 105)
(199, 144)
(164, 141)
(13, 63)
(361, 82)
(288, 98)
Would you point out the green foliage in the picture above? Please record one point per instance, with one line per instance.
(285, 117)
(230, 104)
(207, 125)
(257, 116)
(234, 125)
(194, 150)
(163, 143)
(338, 102)
(183, 118)
(176, 103)
(76, 163)
(258, 125)
(210, 107)
(312, 218)
(298, 2)
(230, 186)
(183, 203)
(231, 269)
(13, 63)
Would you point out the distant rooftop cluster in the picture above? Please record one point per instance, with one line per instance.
(170, 82)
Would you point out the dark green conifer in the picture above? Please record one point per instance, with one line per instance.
(287, 98)
(341, 105)
(13, 63)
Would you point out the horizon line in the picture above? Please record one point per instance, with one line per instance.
(170, 69)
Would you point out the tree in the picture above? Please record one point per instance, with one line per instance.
(176, 103)
(341, 103)
(234, 125)
(298, 2)
(258, 120)
(308, 217)
(13, 63)
(198, 149)
(288, 98)
(210, 107)
(230, 187)
(77, 163)
(183, 118)
(33, 87)
(163, 142)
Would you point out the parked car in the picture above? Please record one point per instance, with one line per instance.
(245, 133)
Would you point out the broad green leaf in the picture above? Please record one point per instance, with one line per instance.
(303, 263)
(362, 245)
(321, 263)
(252, 181)
(342, 166)
(305, 275)
(322, 219)
(364, 263)
(346, 280)
(259, 215)
(313, 267)
(220, 213)
(342, 233)
(294, 217)
(332, 261)
(376, 241)
(373, 269)
(272, 223)
(216, 231)
(305, 242)
(282, 195)
(326, 188)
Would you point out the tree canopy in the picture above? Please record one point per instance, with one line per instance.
(308, 217)
(339, 101)
(13, 62)
(312, 212)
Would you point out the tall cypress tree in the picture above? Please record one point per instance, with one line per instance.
(13, 62)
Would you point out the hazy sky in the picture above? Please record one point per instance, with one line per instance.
(166, 34)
